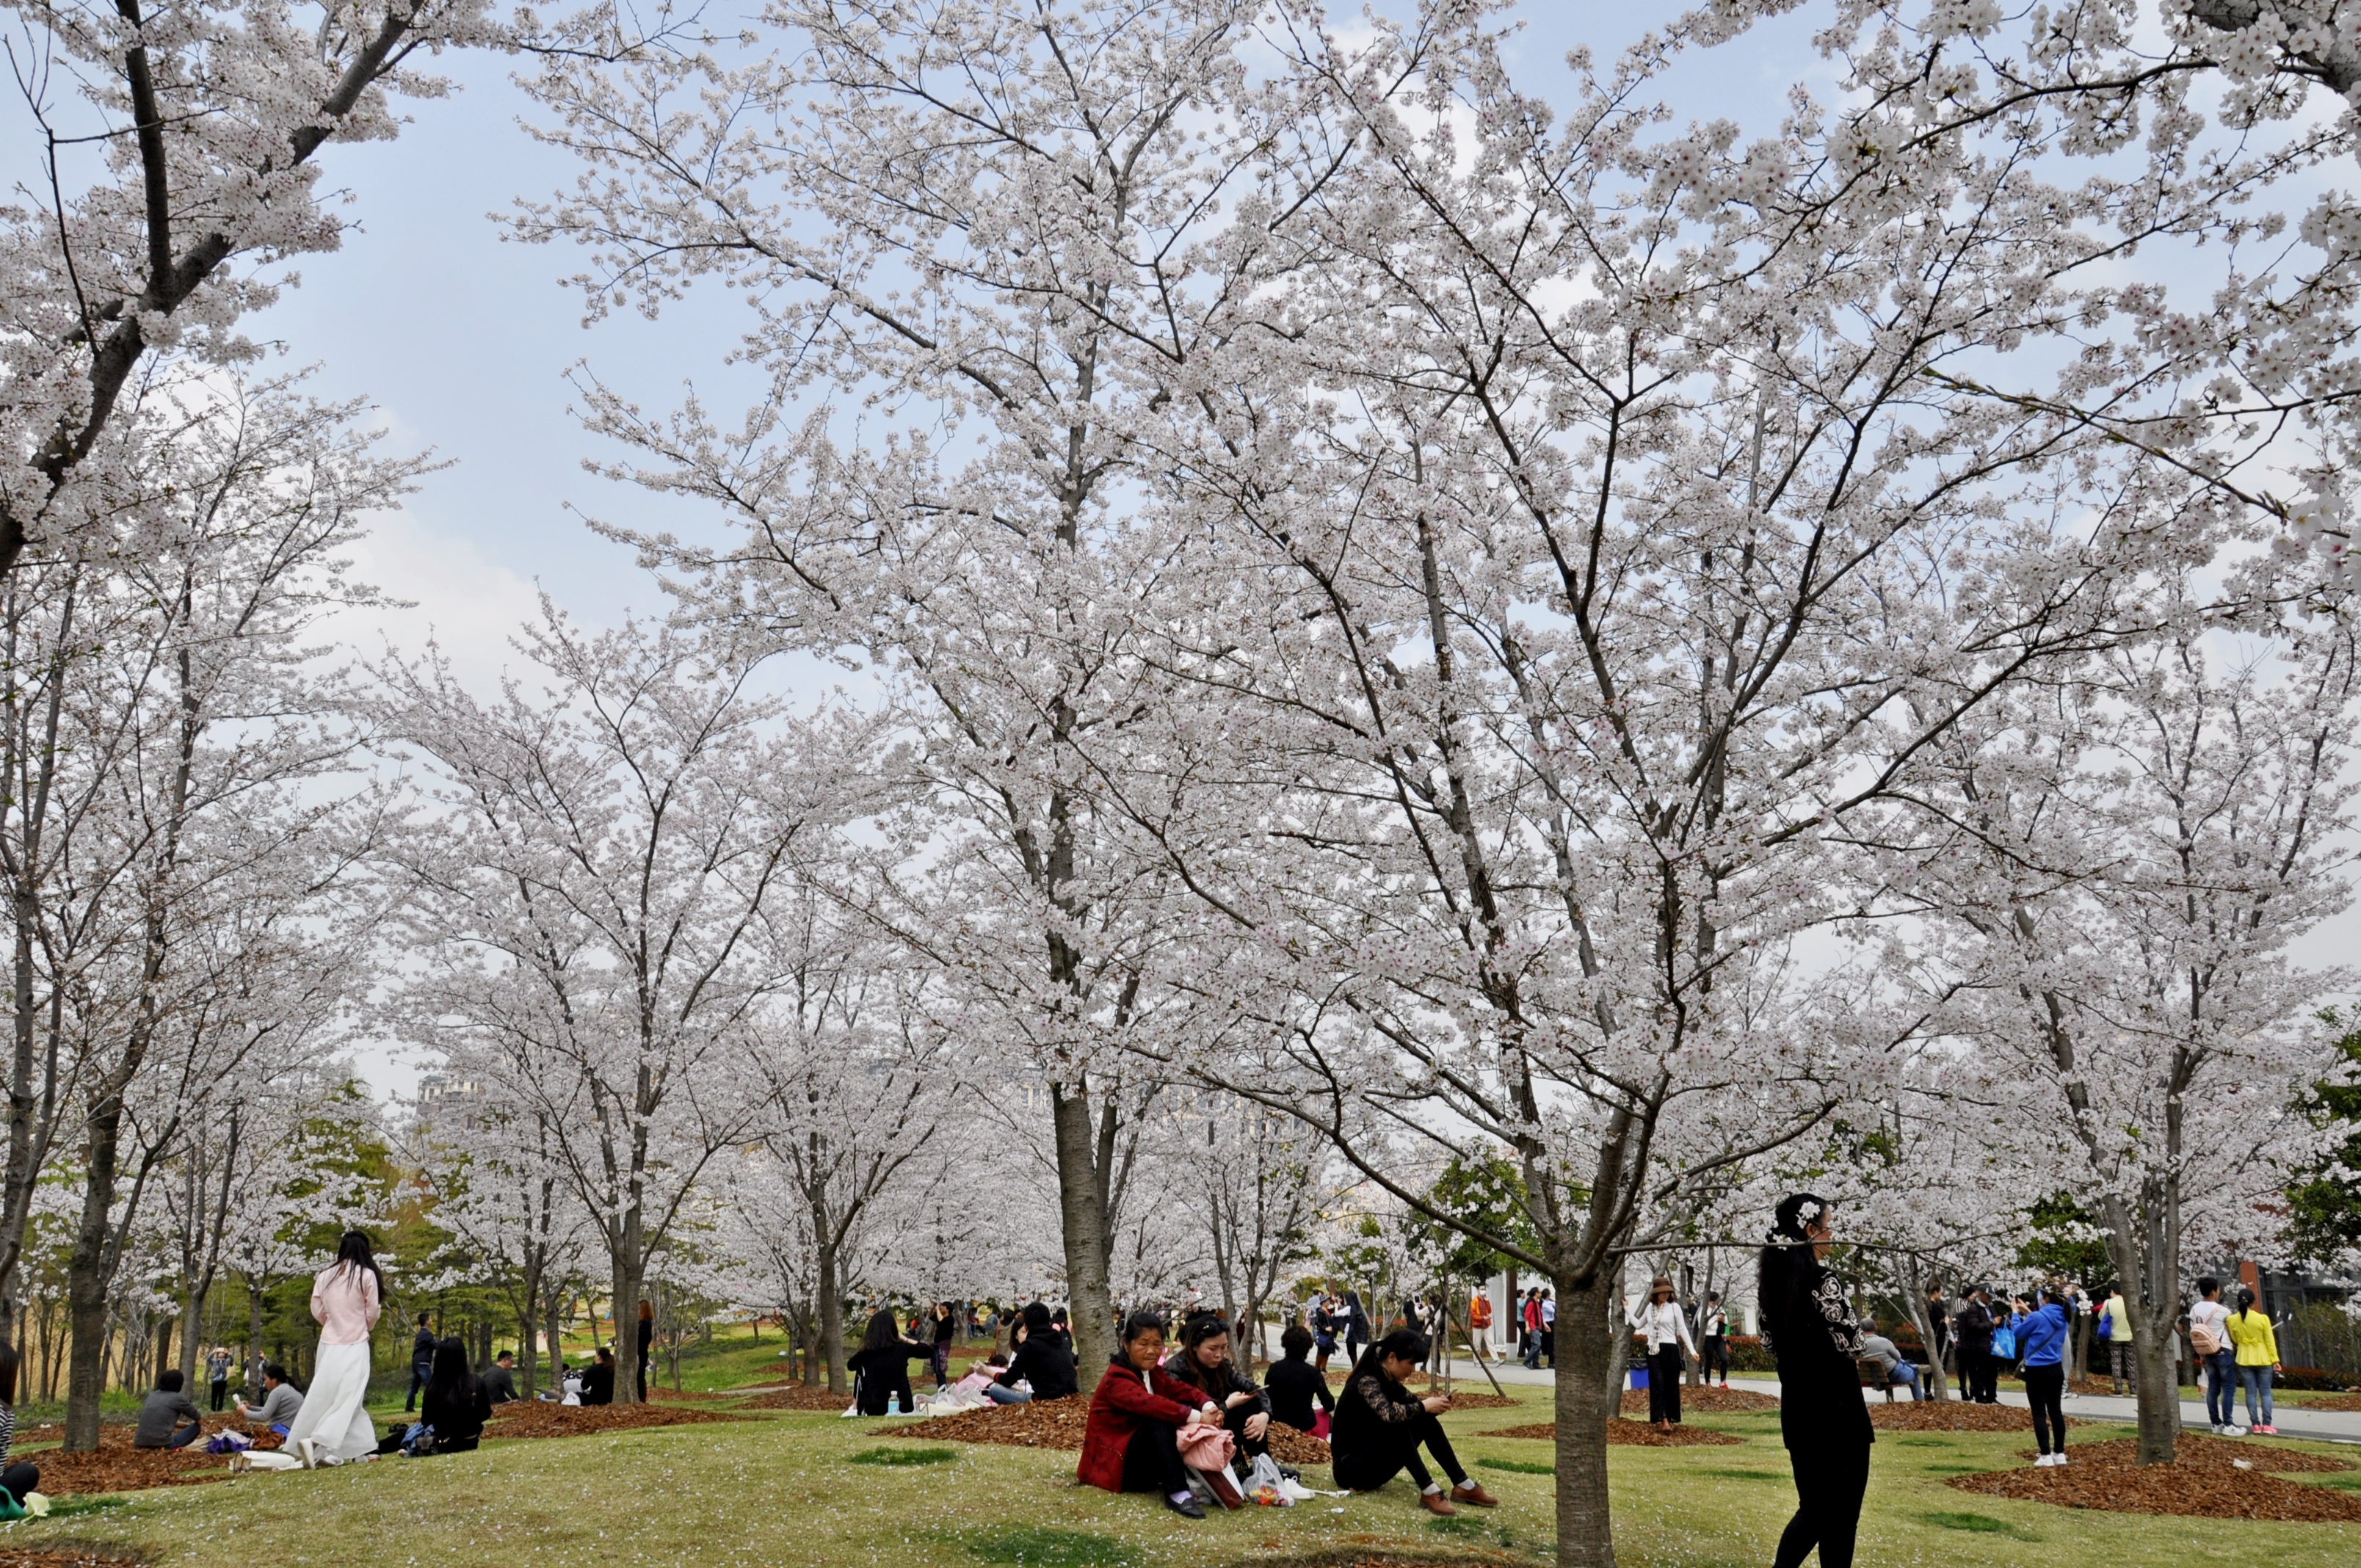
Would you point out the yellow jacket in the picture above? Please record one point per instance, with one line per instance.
(2250, 1332)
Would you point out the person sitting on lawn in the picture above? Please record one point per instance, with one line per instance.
(598, 1379)
(165, 1407)
(23, 1476)
(281, 1401)
(455, 1403)
(499, 1379)
(1043, 1361)
(1293, 1385)
(883, 1364)
(1204, 1362)
(1378, 1429)
(1130, 1440)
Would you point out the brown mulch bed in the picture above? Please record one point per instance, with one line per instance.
(1714, 1401)
(1631, 1435)
(2331, 1402)
(2222, 1453)
(1951, 1415)
(117, 1466)
(1060, 1423)
(1482, 1402)
(797, 1397)
(2199, 1484)
(1045, 1423)
(536, 1418)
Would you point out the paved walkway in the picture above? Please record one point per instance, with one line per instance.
(2293, 1421)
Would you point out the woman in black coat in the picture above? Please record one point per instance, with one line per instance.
(1044, 1362)
(1204, 1362)
(455, 1404)
(1822, 1418)
(883, 1364)
(1379, 1426)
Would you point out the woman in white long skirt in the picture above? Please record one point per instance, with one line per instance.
(346, 1296)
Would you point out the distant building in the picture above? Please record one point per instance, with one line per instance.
(434, 1088)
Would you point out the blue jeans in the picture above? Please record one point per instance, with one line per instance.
(1903, 1372)
(2252, 1378)
(1001, 1395)
(2222, 1388)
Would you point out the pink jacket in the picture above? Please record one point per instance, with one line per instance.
(344, 1304)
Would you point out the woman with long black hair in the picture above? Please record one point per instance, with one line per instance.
(1204, 1362)
(347, 1298)
(1822, 1419)
(455, 1404)
(883, 1364)
(1379, 1427)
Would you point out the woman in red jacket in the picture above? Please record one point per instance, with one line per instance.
(1129, 1443)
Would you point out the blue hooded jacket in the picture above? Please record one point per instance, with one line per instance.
(2041, 1336)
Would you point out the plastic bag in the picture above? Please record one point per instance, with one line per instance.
(1266, 1486)
(228, 1442)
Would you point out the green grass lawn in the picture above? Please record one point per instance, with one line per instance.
(797, 1489)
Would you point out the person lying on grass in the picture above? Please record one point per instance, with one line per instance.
(1130, 1440)
(1044, 1362)
(165, 1407)
(1204, 1362)
(1379, 1428)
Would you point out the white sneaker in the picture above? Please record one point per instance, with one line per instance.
(2041, 1461)
(2057, 1460)
(2234, 1431)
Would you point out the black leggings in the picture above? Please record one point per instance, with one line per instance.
(1151, 1462)
(221, 1395)
(1235, 1420)
(1717, 1357)
(1664, 1370)
(1393, 1449)
(2044, 1390)
(1829, 1484)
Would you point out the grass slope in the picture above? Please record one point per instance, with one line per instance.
(795, 1489)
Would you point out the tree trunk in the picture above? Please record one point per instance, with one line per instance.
(86, 1285)
(2143, 1243)
(831, 1319)
(556, 1334)
(629, 1267)
(1082, 1219)
(1587, 1374)
(1914, 1296)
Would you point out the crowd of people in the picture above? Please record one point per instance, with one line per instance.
(1175, 1414)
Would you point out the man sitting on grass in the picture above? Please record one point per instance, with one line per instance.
(499, 1379)
(281, 1401)
(165, 1405)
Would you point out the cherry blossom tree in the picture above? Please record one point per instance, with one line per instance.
(1000, 232)
(2123, 861)
(588, 900)
(204, 118)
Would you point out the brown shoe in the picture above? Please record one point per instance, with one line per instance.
(1474, 1493)
(1437, 1503)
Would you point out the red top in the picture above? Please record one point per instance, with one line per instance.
(1122, 1401)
